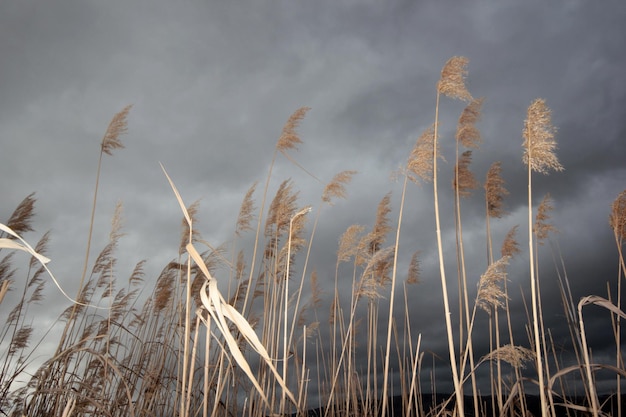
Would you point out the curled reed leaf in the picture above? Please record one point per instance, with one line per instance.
(452, 81)
(117, 127)
(539, 144)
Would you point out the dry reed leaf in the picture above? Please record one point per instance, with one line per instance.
(289, 138)
(420, 164)
(602, 302)
(495, 191)
(617, 218)
(541, 227)
(22, 245)
(466, 180)
(117, 127)
(187, 231)
(336, 188)
(219, 310)
(452, 81)
(466, 131)
(539, 144)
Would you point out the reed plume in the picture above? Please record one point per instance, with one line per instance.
(464, 180)
(420, 163)
(539, 156)
(542, 227)
(490, 293)
(452, 81)
(617, 218)
(337, 187)
(495, 191)
(21, 218)
(117, 127)
(539, 143)
(466, 131)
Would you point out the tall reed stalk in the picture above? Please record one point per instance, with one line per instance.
(539, 156)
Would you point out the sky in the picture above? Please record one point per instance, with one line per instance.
(212, 84)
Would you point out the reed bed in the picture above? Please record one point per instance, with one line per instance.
(259, 344)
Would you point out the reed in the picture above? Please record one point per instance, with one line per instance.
(279, 336)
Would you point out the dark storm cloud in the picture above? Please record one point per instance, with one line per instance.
(212, 86)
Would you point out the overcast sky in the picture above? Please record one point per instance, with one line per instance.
(212, 84)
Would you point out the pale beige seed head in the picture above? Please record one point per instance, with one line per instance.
(117, 127)
(516, 356)
(490, 293)
(21, 218)
(337, 187)
(495, 191)
(617, 218)
(510, 246)
(420, 163)
(415, 269)
(246, 212)
(289, 138)
(463, 177)
(349, 243)
(541, 227)
(452, 81)
(539, 144)
(466, 131)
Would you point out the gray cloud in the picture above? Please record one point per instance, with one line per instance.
(213, 84)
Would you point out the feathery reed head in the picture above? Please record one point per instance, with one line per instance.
(117, 127)
(452, 81)
(539, 144)
(490, 294)
(510, 247)
(349, 243)
(336, 188)
(289, 138)
(542, 228)
(617, 218)
(516, 356)
(246, 212)
(415, 269)
(464, 178)
(466, 131)
(495, 191)
(21, 219)
(420, 163)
